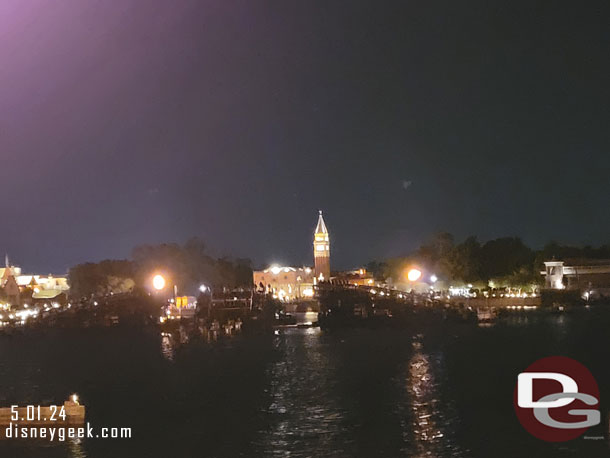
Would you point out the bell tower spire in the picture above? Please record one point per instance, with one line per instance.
(321, 250)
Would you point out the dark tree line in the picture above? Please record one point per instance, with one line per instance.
(187, 266)
(108, 276)
(505, 261)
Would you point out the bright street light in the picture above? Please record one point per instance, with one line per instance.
(433, 278)
(203, 288)
(414, 274)
(158, 282)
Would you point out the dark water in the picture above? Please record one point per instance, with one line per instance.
(443, 390)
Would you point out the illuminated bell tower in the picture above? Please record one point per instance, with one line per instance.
(321, 250)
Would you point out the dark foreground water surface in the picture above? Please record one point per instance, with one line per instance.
(439, 391)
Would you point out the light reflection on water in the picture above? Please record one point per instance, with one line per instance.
(299, 413)
(444, 391)
(311, 413)
(431, 417)
(75, 448)
(167, 346)
(420, 384)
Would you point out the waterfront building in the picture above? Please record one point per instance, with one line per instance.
(286, 283)
(11, 290)
(43, 282)
(590, 276)
(43, 287)
(357, 277)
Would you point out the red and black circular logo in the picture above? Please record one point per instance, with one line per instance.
(557, 399)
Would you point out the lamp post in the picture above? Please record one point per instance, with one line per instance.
(413, 275)
(159, 284)
(203, 288)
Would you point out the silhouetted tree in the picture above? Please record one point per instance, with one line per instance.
(109, 276)
(189, 266)
(466, 261)
(504, 256)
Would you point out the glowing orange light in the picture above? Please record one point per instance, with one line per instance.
(158, 282)
(414, 274)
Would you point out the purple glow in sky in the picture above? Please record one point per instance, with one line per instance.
(128, 122)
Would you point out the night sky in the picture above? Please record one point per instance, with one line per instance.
(128, 122)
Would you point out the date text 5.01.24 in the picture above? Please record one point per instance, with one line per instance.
(38, 413)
